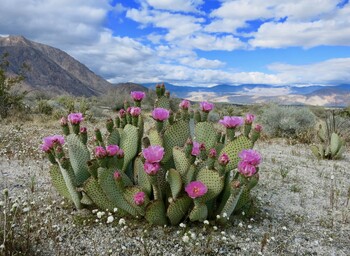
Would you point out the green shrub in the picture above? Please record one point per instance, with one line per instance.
(287, 121)
(44, 107)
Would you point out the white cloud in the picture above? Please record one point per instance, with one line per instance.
(176, 5)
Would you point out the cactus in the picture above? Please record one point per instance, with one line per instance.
(182, 169)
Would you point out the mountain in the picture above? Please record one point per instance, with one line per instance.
(338, 95)
(51, 70)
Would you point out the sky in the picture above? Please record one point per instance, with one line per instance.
(194, 42)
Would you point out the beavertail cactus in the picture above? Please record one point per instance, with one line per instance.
(183, 168)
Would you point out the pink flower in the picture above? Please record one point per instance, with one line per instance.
(139, 198)
(206, 106)
(151, 168)
(112, 150)
(137, 95)
(160, 114)
(117, 175)
(246, 169)
(83, 130)
(212, 153)
(63, 121)
(196, 189)
(122, 113)
(224, 159)
(249, 119)
(250, 156)
(100, 152)
(196, 148)
(258, 128)
(120, 153)
(135, 111)
(185, 104)
(153, 154)
(50, 141)
(231, 121)
(75, 118)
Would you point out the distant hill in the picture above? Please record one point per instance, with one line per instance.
(51, 70)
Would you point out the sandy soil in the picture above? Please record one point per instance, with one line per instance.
(302, 208)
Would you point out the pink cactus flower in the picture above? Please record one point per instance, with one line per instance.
(151, 168)
(63, 121)
(75, 118)
(100, 152)
(231, 121)
(206, 106)
(112, 150)
(249, 118)
(258, 128)
(153, 154)
(117, 175)
(122, 113)
(224, 159)
(139, 198)
(250, 156)
(196, 148)
(135, 111)
(160, 114)
(120, 153)
(212, 153)
(50, 141)
(83, 130)
(185, 104)
(137, 95)
(246, 169)
(196, 189)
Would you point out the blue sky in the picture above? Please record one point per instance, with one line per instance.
(194, 42)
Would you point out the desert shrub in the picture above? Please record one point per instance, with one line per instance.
(44, 107)
(287, 121)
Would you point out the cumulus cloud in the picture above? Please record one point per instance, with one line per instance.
(176, 5)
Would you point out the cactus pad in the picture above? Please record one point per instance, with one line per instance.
(113, 138)
(173, 177)
(141, 176)
(199, 212)
(205, 133)
(213, 181)
(178, 209)
(58, 181)
(129, 196)
(155, 138)
(162, 102)
(233, 148)
(79, 155)
(181, 162)
(95, 192)
(155, 213)
(129, 143)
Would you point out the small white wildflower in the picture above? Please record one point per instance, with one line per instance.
(185, 239)
(224, 215)
(218, 216)
(250, 226)
(100, 214)
(206, 222)
(2, 246)
(15, 205)
(193, 236)
(121, 221)
(164, 226)
(182, 225)
(224, 238)
(2, 203)
(115, 209)
(232, 237)
(178, 232)
(240, 225)
(272, 238)
(110, 219)
(247, 239)
(170, 200)
(330, 239)
(223, 233)
(215, 228)
(94, 211)
(332, 177)
(284, 228)
(26, 209)
(243, 213)
(123, 247)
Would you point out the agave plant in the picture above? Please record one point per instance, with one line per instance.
(183, 168)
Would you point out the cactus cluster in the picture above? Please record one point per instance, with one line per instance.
(332, 146)
(183, 168)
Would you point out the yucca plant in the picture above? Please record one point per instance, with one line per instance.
(183, 168)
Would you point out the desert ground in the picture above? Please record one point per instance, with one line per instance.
(302, 208)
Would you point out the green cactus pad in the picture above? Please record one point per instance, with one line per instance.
(86, 199)
(233, 148)
(335, 144)
(95, 192)
(113, 192)
(340, 152)
(141, 176)
(206, 133)
(315, 151)
(173, 177)
(178, 209)
(129, 197)
(58, 181)
(175, 135)
(155, 138)
(162, 102)
(213, 181)
(155, 213)
(199, 212)
(113, 138)
(191, 173)
(181, 162)
(244, 199)
(79, 155)
(232, 203)
(129, 143)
